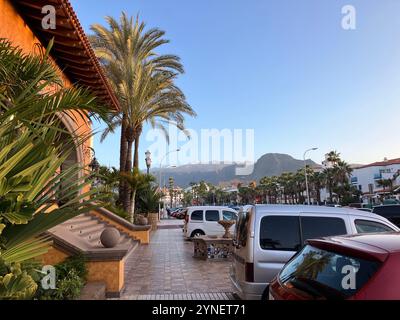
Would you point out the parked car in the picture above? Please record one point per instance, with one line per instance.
(203, 220)
(267, 236)
(390, 212)
(179, 214)
(357, 267)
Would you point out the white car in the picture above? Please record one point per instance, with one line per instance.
(203, 220)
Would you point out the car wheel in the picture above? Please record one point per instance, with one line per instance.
(197, 233)
(265, 295)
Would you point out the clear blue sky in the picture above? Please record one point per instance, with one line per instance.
(285, 68)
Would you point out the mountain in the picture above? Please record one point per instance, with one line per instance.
(270, 164)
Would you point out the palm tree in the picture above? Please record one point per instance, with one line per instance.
(385, 183)
(334, 157)
(144, 83)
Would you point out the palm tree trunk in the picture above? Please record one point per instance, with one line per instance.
(123, 149)
(132, 207)
(138, 132)
(128, 168)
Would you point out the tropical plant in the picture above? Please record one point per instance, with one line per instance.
(30, 156)
(144, 83)
(137, 181)
(148, 199)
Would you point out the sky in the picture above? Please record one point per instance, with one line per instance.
(283, 68)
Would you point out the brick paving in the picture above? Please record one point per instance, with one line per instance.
(166, 267)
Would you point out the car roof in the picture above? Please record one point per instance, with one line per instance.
(375, 245)
(209, 207)
(316, 209)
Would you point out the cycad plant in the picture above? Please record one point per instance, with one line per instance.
(32, 100)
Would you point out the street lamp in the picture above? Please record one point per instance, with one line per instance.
(305, 173)
(159, 180)
(148, 160)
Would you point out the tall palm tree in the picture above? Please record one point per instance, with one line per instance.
(333, 156)
(144, 83)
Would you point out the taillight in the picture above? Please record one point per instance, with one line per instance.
(249, 272)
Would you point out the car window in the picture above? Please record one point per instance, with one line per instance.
(197, 215)
(242, 228)
(212, 215)
(228, 215)
(365, 226)
(316, 227)
(320, 274)
(280, 233)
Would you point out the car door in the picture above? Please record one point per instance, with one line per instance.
(211, 218)
(277, 239)
(244, 244)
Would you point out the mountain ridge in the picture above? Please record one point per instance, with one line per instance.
(269, 164)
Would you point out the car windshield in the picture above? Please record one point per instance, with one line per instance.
(326, 275)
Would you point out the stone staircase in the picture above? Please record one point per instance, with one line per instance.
(89, 228)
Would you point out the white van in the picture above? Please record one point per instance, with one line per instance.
(203, 220)
(267, 236)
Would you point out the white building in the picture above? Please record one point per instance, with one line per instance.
(366, 178)
(177, 197)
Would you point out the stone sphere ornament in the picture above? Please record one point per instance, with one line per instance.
(227, 224)
(110, 237)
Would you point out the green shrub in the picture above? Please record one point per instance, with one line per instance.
(71, 277)
(69, 287)
(76, 263)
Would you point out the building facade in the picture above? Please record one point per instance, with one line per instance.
(370, 179)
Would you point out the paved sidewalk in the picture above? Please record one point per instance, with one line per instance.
(166, 267)
(171, 223)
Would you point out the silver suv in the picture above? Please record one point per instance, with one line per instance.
(267, 236)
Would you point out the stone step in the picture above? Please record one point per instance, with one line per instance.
(93, 235)
(81, 225)
(79, 220)
(92, 229)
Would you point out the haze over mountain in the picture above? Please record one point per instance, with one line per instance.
(270, 164)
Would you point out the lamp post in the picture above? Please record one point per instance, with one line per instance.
(159, 180)
(148, 161)
(305, 173)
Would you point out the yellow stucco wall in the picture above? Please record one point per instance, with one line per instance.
(109, 272)
(53, 257)
(13, 28)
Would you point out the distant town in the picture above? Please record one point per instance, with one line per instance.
(367, 184)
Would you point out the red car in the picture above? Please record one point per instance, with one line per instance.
(356, 267)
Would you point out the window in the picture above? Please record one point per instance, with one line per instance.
(316, 227)
(197, 215)
(365, 226)
(242, 228)
(280, 233)
(212, 215)
(228, 215)
(319, 273)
